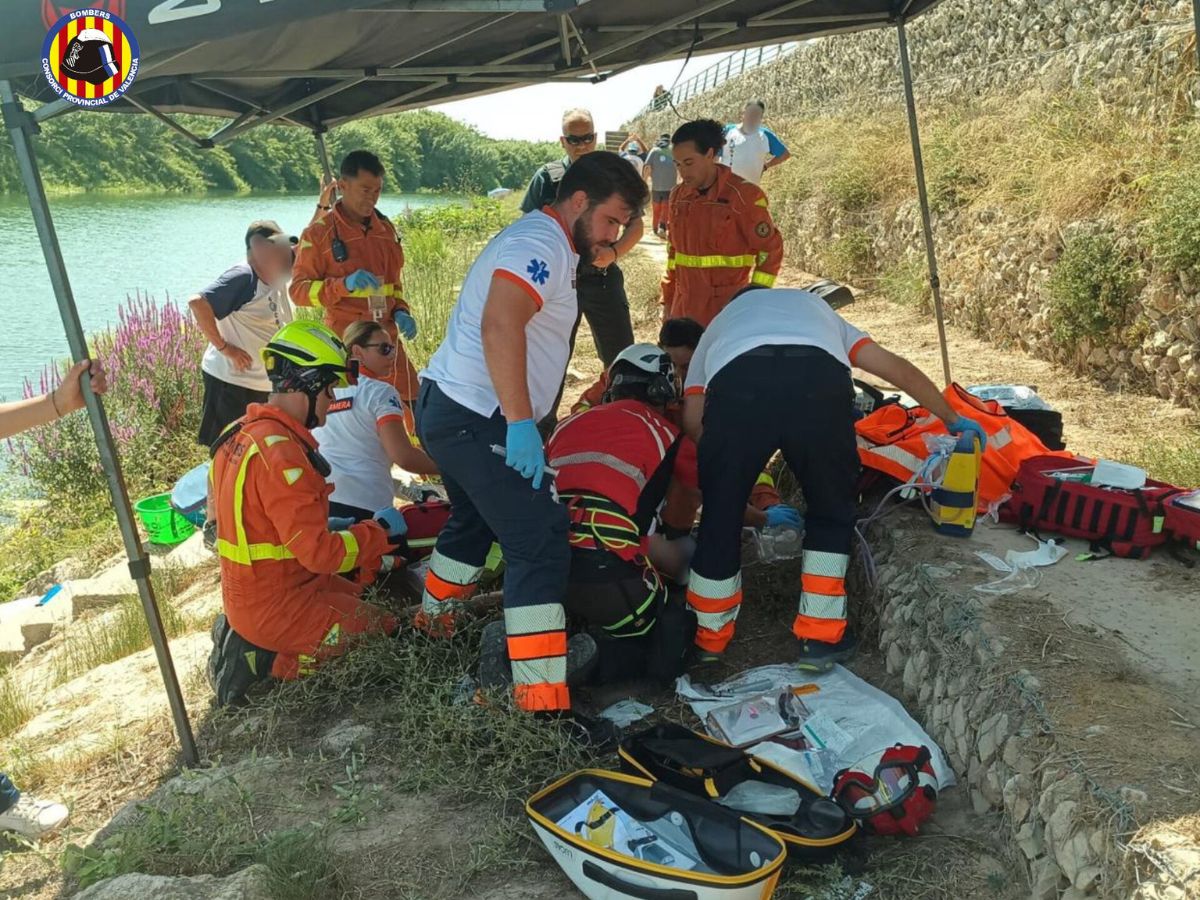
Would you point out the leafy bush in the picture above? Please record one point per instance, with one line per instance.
(853, 185)
(152, 359)
(1091, 286)
(1175, 212)
(848, 257)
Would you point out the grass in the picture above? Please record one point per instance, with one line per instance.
(1090, 289)
(907, 282)
(848, 257)
(15, 708)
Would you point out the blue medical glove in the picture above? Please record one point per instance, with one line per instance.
(963, 425)
(339, 523)
(406, 324)
(781, 514)
(524, 451)
(360, 279)
(392, 522)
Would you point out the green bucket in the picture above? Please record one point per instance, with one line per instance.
(163, 524)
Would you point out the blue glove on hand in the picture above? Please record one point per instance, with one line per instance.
(360, 280)
(781, 514)
(963, 425)
(524, 452)
(339, 523)
(406, 324)
(392, 521)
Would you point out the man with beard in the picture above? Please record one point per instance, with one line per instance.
(494, 376)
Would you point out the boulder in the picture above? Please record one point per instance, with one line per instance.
(253, 883)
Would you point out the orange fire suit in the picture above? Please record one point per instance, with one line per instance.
(281, 566)
(720, 240)
(318, 280)
(683, 502)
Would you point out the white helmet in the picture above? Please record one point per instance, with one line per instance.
(655, 370)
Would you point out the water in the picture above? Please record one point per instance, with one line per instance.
(114, 245)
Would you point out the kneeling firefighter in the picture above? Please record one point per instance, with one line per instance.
(615, 462)
(289, 584)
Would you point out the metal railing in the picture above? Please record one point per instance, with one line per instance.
(722, 70)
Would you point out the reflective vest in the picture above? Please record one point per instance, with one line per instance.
(606, 458)
(891, 440)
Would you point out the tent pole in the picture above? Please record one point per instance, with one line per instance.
(323, 154)
(935, 283)
(20, 128)
(1196, 28)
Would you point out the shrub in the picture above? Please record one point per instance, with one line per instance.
(907, 282)
(848, 257)
(1175, 212)
(153, 362)
(1091, 286)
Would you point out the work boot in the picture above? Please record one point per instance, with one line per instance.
(235, 665)
(496, 671)
(818, 656)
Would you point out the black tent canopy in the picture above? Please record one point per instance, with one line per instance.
(319, 63)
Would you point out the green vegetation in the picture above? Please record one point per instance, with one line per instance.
(907, 282)
(420, 150)
(1090, 289)
(15, 708)
(1175, 213)
(848, 255)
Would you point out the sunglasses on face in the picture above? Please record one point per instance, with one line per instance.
(576, 140)
(384, 347)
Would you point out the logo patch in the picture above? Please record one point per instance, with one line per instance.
(539, 273)
(343, 405)
(89, 56)
(763, 229)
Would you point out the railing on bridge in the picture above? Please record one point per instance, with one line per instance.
(722, 70)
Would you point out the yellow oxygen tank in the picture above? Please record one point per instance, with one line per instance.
(600, 826)
(953, 504)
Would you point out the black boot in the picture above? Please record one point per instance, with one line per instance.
(235, 665)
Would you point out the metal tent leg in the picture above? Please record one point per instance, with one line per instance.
(1196, 28)
(20, 128)
(923, 196)
(323, 154)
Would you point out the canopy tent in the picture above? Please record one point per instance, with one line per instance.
(319, 63)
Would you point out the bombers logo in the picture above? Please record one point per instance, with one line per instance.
(89, 57)
(52, 12)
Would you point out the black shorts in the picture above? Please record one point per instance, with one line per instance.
(223, 403)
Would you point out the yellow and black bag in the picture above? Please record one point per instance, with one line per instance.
(706, 767)
(618, 836)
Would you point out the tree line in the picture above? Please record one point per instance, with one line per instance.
(422, 150)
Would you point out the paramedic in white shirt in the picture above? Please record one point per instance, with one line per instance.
(364, 434)
(751, 148)
(772, 372)
(494, 377)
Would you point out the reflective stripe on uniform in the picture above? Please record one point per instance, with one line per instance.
(351, 543)
(761, 201)
(765, 478)
(446, 581)
(822, 606)
(547, 670)
(897, 455)
(603, 459)
(387, 289)
(314, 291)
(714, 261)
(714, 601)
(763, 279)
(537, 652)
(540, 617)
(821, 562)
(1000, 439)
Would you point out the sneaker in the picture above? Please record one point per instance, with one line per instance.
(818, 656)
(495, 670)
(33, 818)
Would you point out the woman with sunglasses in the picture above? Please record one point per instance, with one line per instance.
(365, 434)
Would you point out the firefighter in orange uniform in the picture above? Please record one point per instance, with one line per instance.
(285, 584)
(349, 262)
(721, 234)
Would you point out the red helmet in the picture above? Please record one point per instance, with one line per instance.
(891, 792)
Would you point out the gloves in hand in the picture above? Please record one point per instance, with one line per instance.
(392, 522)
(339, 523)
(524, 451)
(963, 425)
(782, 514)
(405, 323)
(360, 279)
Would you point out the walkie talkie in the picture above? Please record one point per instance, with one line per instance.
(338, 247)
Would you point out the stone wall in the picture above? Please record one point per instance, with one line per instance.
(995, 266)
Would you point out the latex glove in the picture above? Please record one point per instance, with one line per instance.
(339, 523)
(524, 451)
(782, 514)
(392, 522)
(360, 279)
(963, 425)
(406, 324)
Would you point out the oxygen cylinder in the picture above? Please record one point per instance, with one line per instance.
(953, 504)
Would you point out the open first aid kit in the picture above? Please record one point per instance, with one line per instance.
(812, 826)
(425, 522)
(619, 836)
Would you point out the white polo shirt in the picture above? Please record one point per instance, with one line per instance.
(771, 317)
(349, 441)
(537, 254)
(746, 154)
(248, 312)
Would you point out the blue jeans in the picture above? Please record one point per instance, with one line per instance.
(9, 795)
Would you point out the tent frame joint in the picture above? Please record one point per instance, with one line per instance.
(17, 115)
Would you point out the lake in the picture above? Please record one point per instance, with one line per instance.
(167, 245)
